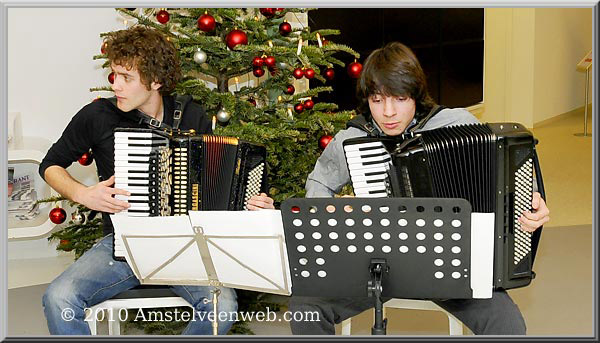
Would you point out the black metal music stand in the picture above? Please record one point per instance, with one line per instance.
(381, 247)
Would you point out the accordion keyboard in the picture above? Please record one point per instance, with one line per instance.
(368, 164)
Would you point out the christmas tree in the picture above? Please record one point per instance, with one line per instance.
(221, 46)
(240, 64)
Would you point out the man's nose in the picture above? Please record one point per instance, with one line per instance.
(388, 109)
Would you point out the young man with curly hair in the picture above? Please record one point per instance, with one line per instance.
(393, 96)
(146, 69)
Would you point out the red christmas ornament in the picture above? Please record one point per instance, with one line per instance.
(206, 23)
(111, 77)
(329, 74)
(324, 41)
(57, 215)
(236, 37)
(252, 101)
(162, 16)
(290, 90)
(354, 69)
(258, 72)
(299, 108)
(267, 12)
(324, 141)
(308, 104)
(309, 73)
(298, 73)
(269, 61)
(86, 159)
(64, 243)
(285, 28)
(103, 47)
(257, 62)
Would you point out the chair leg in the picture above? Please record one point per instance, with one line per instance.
(92, 323)
(347, 327)
(114, 325)
(456, 328)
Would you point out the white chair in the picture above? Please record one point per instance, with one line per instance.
(455, 326)
(114, 309)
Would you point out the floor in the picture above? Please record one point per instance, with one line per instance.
(559, 302)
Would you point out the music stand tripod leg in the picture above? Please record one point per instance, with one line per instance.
(215, 301)
(374, 288)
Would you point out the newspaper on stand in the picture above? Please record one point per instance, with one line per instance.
(22, 196)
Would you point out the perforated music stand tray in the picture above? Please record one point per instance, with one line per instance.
(435, 248)
(239, 249)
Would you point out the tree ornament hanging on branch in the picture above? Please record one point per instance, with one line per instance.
(258, 72)
(206, 22)
(354, 69)
(298, 73)
(111, 77)
(86, 159)
(236, 37)
(257, 62)
(324, 141)
(290, 90)
(285, 28)
(162, 16)
(267, 12)
(308, 104)
(309, 73)
(78, 218)
(270, 61)
(103, 47)
(252, 101)
(57, 215)
(223, 116)
(299, 108)
(329, 74)
(200, 56)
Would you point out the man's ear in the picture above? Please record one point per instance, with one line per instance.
(155, 86)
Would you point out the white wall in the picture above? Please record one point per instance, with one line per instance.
(50, 72)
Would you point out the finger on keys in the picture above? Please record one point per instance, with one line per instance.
(109, 182)
(120, 191)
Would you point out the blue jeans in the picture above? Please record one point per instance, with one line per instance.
(96, 277)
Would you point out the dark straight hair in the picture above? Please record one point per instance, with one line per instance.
(393, 70)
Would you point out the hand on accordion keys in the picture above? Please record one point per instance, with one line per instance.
(261, 201)
(99, 197)
(531, 220)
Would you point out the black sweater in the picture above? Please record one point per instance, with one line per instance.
(93, 128)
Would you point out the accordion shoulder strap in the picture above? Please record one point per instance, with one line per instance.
(360, 122)
(434, 110)
(180, 103)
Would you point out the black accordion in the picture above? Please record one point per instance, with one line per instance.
(490, 165)
(169, 174)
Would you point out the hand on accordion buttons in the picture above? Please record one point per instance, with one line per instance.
(260, 201)
(531, 220)
(99, 197)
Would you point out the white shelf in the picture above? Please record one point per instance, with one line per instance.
(40, 226)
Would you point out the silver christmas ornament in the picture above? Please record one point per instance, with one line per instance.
(200, 56)
(223, 116)
(282, 65)
(78, 218)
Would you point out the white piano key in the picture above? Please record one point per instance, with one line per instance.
(366, 153)
(361, 178)
(357, 160)
(358, 146)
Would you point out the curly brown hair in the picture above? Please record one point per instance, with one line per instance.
(393, 70)
(148, 51)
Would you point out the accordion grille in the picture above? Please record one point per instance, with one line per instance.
(254, 183)
(523, 195)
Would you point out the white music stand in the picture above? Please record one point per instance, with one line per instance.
(237, 249)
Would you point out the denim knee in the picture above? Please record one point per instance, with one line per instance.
(61, 294)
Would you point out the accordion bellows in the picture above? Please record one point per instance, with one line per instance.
(172, 174)
(490, 165)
